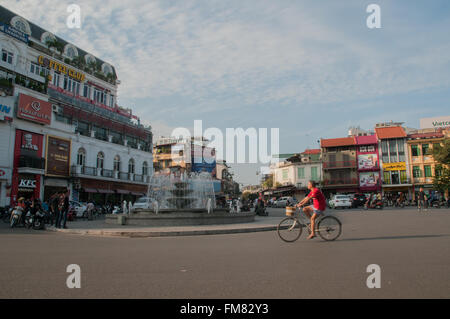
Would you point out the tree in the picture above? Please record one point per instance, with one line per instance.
(441, 154)
(268, 183)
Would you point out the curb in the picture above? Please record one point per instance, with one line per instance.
(145, 234)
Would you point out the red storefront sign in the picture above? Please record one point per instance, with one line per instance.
(29, 146)
(33, 109)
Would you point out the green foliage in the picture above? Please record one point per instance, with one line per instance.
(441, 154)
(268, 183)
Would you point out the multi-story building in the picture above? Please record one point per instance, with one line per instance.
(422, 166)
(368, 163)
(179, 155)
(340, 173)
(291, 176)
(63, 127)
(393, 158)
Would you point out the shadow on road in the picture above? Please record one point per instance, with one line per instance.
(394, 237)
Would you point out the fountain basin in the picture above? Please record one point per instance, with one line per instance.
(182, 217)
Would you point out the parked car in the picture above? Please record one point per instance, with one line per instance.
(283, 201)
(142, 203)
(342, 201)
(78, 209)
(358, 200)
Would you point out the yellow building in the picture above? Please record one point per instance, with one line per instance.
(422, 164)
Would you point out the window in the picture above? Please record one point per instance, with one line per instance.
(393, 151)
(111, 100)
(371, 148)
(438, 171)
(387, 177)
(20, 25)
(131, 166)
(284, 174)
(363, 149)
(70, 52)
(314, 174)
(426, 149)
(415, 150)
(145, 169)
(384, 151)
(100, 160)
(427, 169)
(87, 91)
(56, 77)
(401, 151)
(81, 157)
(301, 172)
(403, 178)
(7, 56)
(417, 172)
(99, 96)
(35, 69)
(117, 163)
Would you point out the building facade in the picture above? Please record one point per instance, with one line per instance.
(369, 177)
(340, 172)
(62, 126)
(393, 155)
(423, 168)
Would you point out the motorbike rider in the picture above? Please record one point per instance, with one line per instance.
(21, 207)
(400, 199)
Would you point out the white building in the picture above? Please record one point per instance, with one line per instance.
(60, 124)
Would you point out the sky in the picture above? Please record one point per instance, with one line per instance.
(310, 68)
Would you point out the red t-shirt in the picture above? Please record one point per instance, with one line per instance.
(318, 199)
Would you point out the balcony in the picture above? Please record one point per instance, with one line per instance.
(31, 165)
(423, 180)
(107, 174)
(339, 164)
(340, 182)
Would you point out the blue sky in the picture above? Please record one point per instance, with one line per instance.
(309, 68)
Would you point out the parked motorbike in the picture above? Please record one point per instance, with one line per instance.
(377, 204)
(5, 214)
(16, 217)
(35, 221)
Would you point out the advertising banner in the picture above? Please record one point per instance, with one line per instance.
(369, 179)
(435, 122)
(6, 107)
(33, 109)
(58, 156)
(367, 161)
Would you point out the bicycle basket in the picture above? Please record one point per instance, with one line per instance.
(290, 211)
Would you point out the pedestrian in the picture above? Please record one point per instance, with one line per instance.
(90, 209)
(421, 200)
(63, 208)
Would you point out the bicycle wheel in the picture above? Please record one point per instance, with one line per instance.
(289, 229)
(329, 228)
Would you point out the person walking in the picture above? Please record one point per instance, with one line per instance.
(63, 208)
(90, 209)
(421, 200)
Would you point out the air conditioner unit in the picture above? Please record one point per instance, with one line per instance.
(56, 108)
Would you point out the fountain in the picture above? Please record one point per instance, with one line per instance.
(182, 200)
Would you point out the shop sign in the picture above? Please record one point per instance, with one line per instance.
(369, 179)
(435, 122)
(59, 67)
(13, 32)
(399, 166)
(33, 109)
(6, 108)
(58, 156)
(27, 183)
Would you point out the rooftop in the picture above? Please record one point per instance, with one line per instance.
(334, 142)
(390, 132)
(366, 140)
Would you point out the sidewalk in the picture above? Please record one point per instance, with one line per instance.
(100, 228)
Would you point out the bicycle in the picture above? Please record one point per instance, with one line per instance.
(290, 228)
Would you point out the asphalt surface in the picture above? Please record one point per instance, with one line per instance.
(412, 249)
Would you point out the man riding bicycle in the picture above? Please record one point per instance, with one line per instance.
(318, 207)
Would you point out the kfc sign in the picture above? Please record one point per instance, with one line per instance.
(34, 109)
(27, 183)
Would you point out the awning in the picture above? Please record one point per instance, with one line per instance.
(56, 182)
(90, 190)
(137, 194)
(121, 191)
(105, 191)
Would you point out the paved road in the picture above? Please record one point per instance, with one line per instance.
(412, 249)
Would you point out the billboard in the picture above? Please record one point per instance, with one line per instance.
(435, 122)
(367, 161)
(6, 107)
(369, 179)
(58, 156)
(33, 109)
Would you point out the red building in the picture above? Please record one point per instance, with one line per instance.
(368, 163)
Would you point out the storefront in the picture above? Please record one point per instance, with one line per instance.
(28, 166)
(57, 165)
(105, 191)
